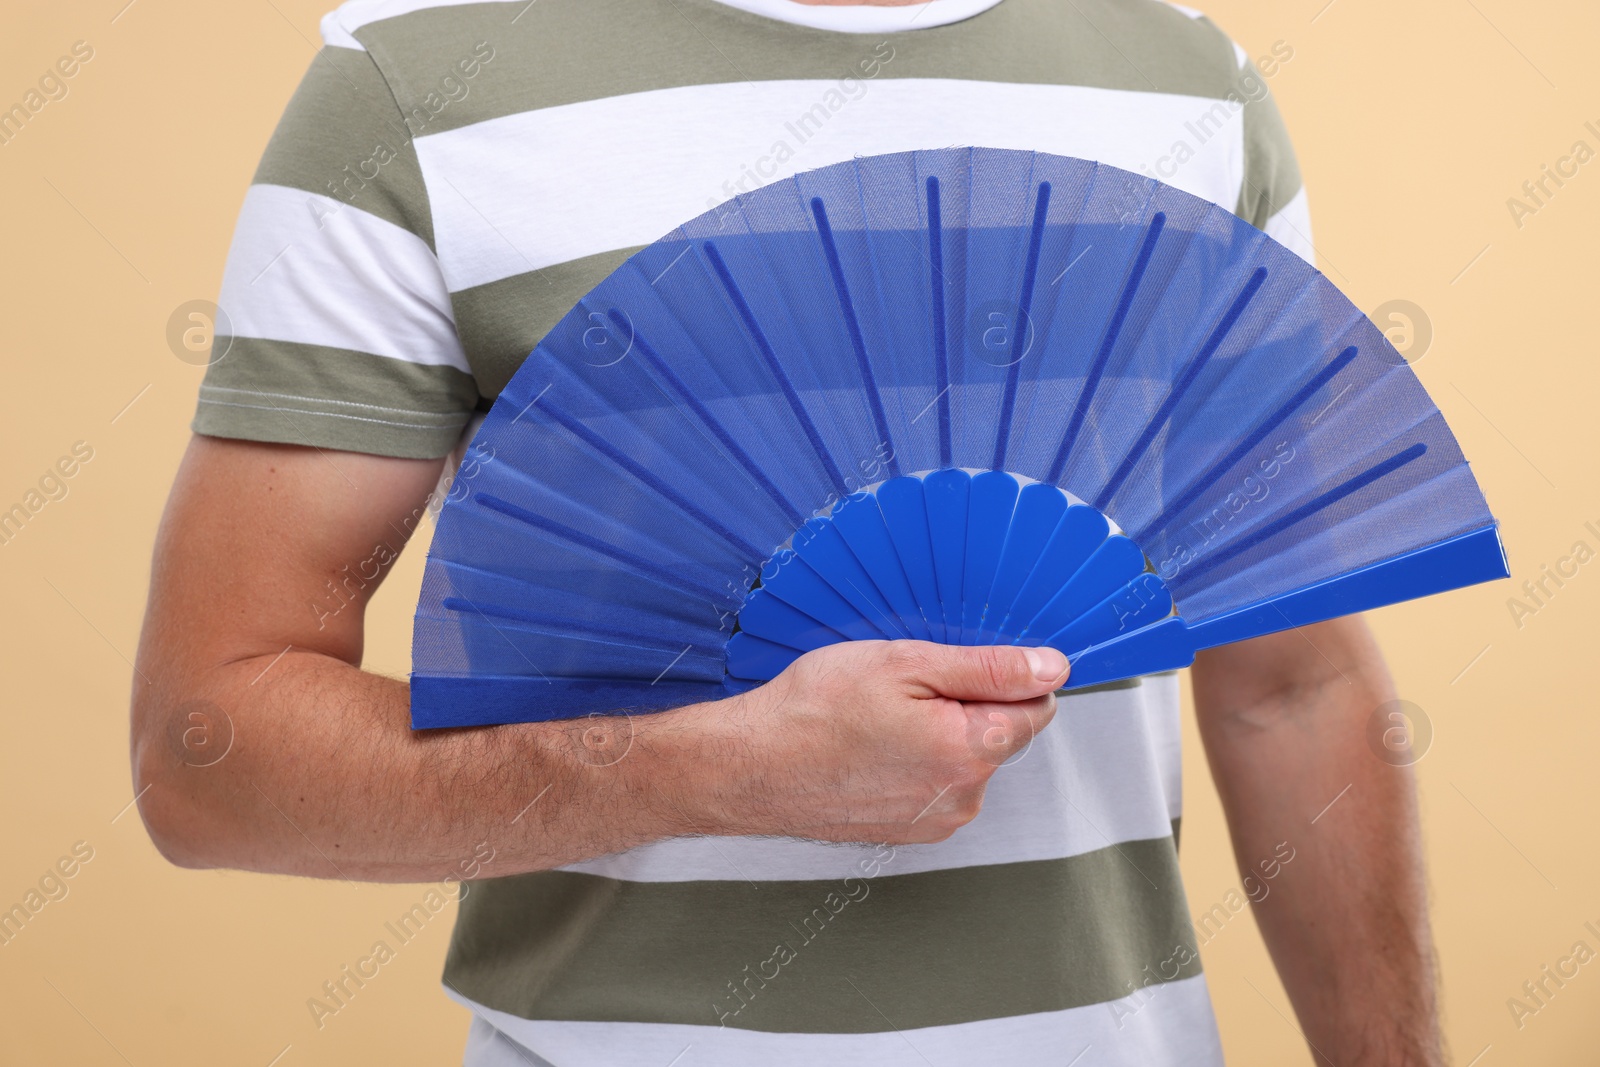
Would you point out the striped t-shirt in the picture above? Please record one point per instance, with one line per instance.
(446, 183)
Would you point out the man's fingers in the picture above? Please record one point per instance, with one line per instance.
(998, 673)
(996, 732)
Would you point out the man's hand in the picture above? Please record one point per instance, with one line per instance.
(1284, 720)
(264, 564)
(876, 741)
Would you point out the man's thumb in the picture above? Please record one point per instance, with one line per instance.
(1000, 673)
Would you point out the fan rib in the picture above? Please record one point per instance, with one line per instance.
(780, 623)
(1019, 333)
(821, 546)
(742, 306)
(687, 396)
(1310, 508)
(753, 659)
(1038, 511)
(904, 507)
(853, 326)
(803, 588)
(558, 624)
(1135, 605)
(860, 522)
(664, 575)
(1256, 436)
(1079, 532)
(1115, 562)
(941, 354)
(991, 508)
(1097, 369)
(605, 448)
(947, 494)
(1257, 278)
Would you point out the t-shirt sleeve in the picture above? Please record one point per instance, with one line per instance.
(335, 327)
(1272, 196)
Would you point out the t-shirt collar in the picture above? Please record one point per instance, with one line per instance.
(865, 18)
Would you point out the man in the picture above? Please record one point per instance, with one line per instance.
(832, 868)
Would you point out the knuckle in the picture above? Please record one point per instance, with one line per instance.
(998, 664)
(967, 807)
(903, 658)
(969, 779)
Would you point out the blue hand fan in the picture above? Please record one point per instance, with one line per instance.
(969, 396)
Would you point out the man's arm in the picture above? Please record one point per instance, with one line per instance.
(865, 741)
(1284, 723)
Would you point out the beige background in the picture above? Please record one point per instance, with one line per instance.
(1415, 122)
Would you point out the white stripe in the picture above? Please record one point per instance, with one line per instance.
(1291, 227)
(1094, 777)
(1165, 726)
(340, 25)
(864, 18)
(565, 182)
(313, 270)
(1163, 1025)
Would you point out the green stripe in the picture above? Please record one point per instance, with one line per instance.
(501, 321)
(1271, 171)
(332, 398)
(342, 136)
(914, 950)
(564, 53)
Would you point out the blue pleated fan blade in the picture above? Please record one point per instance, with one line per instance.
(964, 395)
(1038, 512)
(990, 503)
(1079, 533)
(905, 513)
(947, 493)
(814, 596)
(825, 551)
(861, 524)
(1139, 603)
(766, 616)
(1111, 566)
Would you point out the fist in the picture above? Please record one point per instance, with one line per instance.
(876, 741)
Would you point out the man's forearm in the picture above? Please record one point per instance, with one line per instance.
(1346, 919)
(323, 777)
(315, 772)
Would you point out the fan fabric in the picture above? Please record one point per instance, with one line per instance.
(784, 356)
